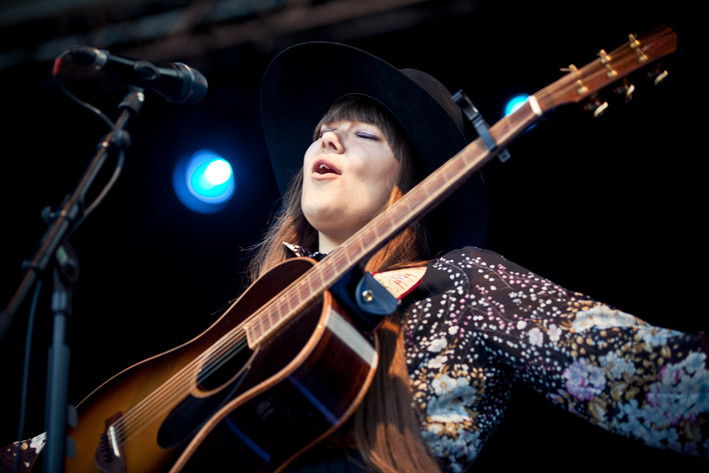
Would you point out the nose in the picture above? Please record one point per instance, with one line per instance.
(331, 141)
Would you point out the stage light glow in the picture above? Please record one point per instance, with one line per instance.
(514, 103)
(203, 181)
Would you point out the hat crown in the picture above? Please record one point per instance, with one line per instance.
(440, 94)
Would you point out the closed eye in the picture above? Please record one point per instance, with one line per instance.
(367, 135)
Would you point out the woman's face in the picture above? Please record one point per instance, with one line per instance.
(348, 175)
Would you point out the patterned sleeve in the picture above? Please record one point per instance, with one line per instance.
(19, 457)
(609, 367)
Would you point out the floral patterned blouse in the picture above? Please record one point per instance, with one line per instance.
(477, 323)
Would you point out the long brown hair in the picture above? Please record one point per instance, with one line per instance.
(385, 426)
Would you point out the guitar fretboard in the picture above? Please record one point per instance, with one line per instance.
(575, 86)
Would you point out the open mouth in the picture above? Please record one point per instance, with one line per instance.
(323, 168)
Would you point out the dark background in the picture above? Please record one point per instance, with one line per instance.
(612, 207)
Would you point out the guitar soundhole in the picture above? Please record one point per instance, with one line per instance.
(222, 374)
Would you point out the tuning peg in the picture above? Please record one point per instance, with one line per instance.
(596, 106)
(658, 75)
(606, 61)
(637, 47)
(625, 88)
(580, 87)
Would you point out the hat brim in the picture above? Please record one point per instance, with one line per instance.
(303, 81)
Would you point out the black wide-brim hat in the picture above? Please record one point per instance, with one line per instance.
(304, 80)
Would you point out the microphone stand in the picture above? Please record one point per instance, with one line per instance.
(54, 246)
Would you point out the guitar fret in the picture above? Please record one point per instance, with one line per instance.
(309, 283)
(273, 318)
(362, 242)
(286, 304)
(257, 328)
(386, 226)
(508, 127)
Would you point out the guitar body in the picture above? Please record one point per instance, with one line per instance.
(258, 411)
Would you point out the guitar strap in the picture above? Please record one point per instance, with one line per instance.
(400, 282)
(369, 297)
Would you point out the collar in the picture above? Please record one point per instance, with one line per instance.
(298, 250)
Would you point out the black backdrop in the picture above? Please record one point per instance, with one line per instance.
(612, 207)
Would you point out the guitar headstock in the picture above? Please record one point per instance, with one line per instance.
(581, 83)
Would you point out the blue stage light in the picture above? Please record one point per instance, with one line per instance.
(203, 181)
(514, 103)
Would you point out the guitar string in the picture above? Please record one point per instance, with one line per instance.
(180, 384)
(139, 432)
(166, 397)
(231, 345)
(134, 431)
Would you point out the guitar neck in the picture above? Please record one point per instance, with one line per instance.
(577, 85)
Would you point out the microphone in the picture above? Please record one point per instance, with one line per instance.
(174, 81)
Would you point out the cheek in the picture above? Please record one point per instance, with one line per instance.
(381, 180)
(386, 174)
